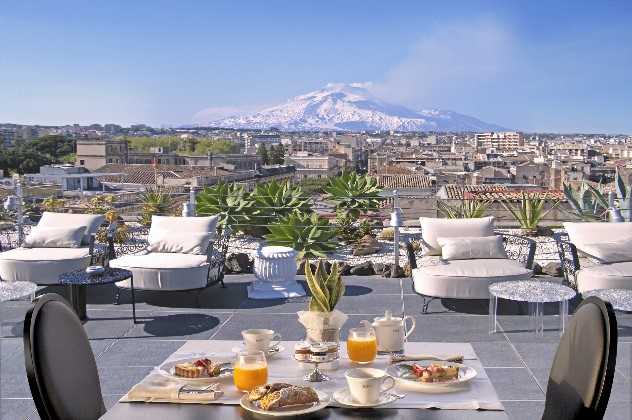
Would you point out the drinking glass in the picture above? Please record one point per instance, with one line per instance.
(361, 345)
(251, 370)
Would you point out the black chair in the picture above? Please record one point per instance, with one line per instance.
(60, 365)
(583, 369)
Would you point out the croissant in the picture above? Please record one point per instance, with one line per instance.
(263, 390)
(288, 396)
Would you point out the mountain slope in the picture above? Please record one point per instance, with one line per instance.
(352, 107)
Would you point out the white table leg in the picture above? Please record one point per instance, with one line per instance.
(563, 315)
(493, 313)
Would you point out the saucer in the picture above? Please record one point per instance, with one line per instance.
(271, 352)
(344, 397)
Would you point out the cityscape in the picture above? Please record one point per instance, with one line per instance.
(337, 210)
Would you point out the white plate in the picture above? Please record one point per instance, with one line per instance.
(272, 352)
(168, 368)
(344, 397)
(322, 403)
(466, 374)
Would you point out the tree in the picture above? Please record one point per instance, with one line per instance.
(277, 155)
(263, 152)
(54, 146)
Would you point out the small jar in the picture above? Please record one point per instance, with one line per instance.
(318, 353)
(302, 352)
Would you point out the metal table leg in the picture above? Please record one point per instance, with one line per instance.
(493, 313)
(77, 298)
(131, 279)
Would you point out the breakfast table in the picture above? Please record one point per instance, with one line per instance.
(475, 400)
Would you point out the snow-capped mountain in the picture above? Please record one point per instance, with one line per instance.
(352, 107)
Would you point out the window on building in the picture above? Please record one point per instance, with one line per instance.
(82, 162)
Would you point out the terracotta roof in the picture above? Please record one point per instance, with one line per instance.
(404, 181)
(514, 195)
(146, 174)
(457, 191)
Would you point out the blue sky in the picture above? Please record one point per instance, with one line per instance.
(563, 66)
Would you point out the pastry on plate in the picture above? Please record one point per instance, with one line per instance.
(279, 395)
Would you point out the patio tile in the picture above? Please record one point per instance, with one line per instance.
(13, 384)
(374, 304)
(110, 400)
(414, 305)
(624, 359)
(17, 409)
(277, 306)
(517, 329)
(374, 284)
(497, 354)
(107, 324)
(537, 355)
(117, 380)
(514, 384)
(524, 410)
(453, 328)
(618, 410)
(176, 326)
(138, 352)
(286, 325)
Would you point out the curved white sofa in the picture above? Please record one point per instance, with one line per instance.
(464, 278)
(44, 265)
(584, 236)
(171, 270)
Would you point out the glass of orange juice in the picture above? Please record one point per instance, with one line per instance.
(361, 345)
(251, 370)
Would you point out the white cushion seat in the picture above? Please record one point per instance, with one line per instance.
(41, 265)
(466, 279)
(605, 276)
(164, 271)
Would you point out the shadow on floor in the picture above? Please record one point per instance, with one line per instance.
(179, 324)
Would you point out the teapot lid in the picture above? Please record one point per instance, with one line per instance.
(388, 318)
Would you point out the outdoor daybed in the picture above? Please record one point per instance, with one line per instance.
(60, 243)
(596, 255)
(460, 258)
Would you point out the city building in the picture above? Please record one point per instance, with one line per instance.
(506, 140)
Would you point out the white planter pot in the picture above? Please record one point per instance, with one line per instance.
(275, 272)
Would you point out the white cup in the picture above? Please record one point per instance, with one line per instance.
(367, 384)
(260, 339)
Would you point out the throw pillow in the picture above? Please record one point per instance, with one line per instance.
(54, 237)
(470, 248)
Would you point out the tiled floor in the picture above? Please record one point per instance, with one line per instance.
(516, 361)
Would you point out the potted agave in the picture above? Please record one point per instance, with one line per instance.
(322, 321)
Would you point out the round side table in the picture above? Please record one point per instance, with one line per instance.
(10, 290)
(620, 299)
(536, 293)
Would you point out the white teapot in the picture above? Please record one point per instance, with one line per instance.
(391, 332)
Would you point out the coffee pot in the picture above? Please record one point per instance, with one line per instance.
(391, 332)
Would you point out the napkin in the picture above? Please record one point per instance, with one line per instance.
(160, 388)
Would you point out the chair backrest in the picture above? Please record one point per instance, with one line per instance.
(582, 233)
(433, 228)
(583, 368)
(90, 221)
(60, 365)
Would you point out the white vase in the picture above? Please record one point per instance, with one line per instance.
(275, 272)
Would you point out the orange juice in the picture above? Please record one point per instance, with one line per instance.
(362, 349)
(248, 377)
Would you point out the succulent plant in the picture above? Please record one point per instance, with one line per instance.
(354, 194)
(467, 209)
(155, 201)
(311, 235)
(529, 212)
(326, 289)
(274, 200)
(230, 201)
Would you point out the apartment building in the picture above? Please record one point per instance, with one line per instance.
(315, 166)
(95, 153)
(505, 140)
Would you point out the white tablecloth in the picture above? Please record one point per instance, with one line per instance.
(478, 394)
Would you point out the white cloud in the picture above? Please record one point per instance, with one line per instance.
(448, 62)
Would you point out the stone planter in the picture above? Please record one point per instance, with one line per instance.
(275, 272)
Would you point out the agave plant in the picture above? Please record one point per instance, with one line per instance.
(311, 235)
(155, 201)
(326, 289)
(529, 212)
(354, 194)
(588, 203)
(230, 201)
(593, 204)
(467, 209)
(274, 200)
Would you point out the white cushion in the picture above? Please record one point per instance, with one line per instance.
(469, 248)
(41, 265)
(184, 224)
(605, 276)
(182, 243)
(55, 237)
(466, 279)
(90, 221)
(581, 234)
(433, 228)
(164, 271)
(609, 252)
